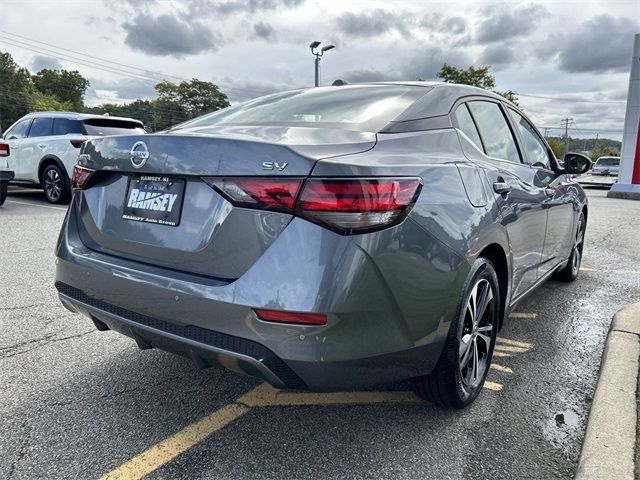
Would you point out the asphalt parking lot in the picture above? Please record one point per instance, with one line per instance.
(78, 403)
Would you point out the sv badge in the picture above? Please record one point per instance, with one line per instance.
(274, 166)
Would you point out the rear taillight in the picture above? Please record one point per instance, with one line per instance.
(345, 205)
(4, 150)
(80, 177)
(77, 143)
(357, 205)
(299, 318)
(264, 193)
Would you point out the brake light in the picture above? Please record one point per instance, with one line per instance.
(80, 177)
(291, 317)
(4, 150)
(77, 143)
(264, 193)
(345, 205)
(357, 205)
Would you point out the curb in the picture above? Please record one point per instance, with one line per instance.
(609, 447)
(624, 195)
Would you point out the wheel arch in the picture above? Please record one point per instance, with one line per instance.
(50, 160)
(496, 254)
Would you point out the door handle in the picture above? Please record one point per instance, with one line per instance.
(501, 187)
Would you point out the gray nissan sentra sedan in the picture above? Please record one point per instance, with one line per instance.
(326, 238)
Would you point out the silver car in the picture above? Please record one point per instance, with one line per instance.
(326, 238)
(606, 166)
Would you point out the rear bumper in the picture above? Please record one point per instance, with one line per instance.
(205, 347)
(6, 175)
(379, 328)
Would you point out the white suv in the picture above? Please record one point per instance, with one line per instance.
(44, 147)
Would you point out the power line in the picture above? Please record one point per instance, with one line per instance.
(90, 56)
(567, 99)
(118, 71)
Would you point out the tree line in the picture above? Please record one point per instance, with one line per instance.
(22, 92)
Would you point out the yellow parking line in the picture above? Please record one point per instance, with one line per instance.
(515, 343)
(267, 396)
(496, 387)
(508, 348)
(500, 354)
(501, 368)
(526, 315)
(165, 451)
(263, 395)
(587, 269)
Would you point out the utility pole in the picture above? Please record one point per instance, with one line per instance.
(565, 123)
(546, 129)
(595, 146)
(316, 61)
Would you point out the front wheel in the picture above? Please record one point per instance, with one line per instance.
(462, 368)
(3, 191)
(55, 184)
(570, 272)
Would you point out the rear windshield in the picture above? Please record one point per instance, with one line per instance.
(357, 107)
(608, 162)
(107, 126)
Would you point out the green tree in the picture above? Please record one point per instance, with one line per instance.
(557, 146)
(15, 87)
(195, 97)
(478, 77)
(65, 85)
(43, 102)
(475, 76)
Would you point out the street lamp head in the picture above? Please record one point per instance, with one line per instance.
(314, 44)
(327, 47)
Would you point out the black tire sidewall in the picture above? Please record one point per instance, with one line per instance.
(482, 268)
(64, 195)
(3, 191)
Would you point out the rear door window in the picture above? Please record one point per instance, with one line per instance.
(107, 126)
(494, 129)
(464, 122)
(64, 126)
(42, 127)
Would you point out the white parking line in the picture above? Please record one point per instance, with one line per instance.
(37, 205)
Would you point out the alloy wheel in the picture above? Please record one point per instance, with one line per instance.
(477, 334)
(576, 257)
(53, 184)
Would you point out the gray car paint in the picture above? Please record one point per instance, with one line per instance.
(389, 295)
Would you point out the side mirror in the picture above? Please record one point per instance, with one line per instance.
(576, 164)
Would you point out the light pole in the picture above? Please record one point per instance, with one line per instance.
(318, 53)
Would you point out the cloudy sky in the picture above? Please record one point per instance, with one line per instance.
(564, 58)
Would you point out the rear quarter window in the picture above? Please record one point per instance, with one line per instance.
(64, 126)
(105, 126)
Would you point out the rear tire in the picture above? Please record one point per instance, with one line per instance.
(571, 271)
(55, 185)
(459, 375)
(3, 191)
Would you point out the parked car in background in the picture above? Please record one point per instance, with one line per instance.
(326, 238)
(606, 166)
(6, 175)
(44, 147)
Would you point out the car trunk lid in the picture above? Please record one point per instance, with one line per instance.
(206, 235)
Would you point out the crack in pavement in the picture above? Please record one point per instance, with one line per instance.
(46, 340)
(22, 453)
(23, 307)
